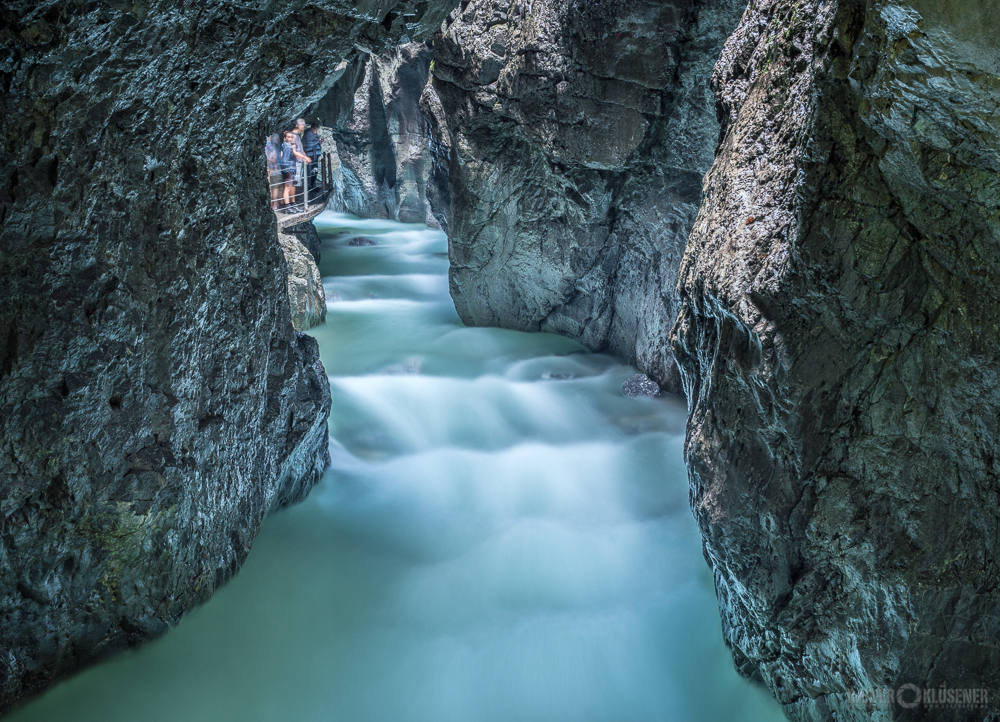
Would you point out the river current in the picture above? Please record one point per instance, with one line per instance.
(502, 537)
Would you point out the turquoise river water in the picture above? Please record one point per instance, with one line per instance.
(502, 537)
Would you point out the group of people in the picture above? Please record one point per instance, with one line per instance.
(292, 158)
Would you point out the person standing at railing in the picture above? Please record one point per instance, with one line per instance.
(274, 180)
(299, 130)
(312, 145)
(287, 162)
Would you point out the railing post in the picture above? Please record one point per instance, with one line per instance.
(305, 183)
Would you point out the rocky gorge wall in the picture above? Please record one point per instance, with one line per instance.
(827, 290)
(835, 316)
(391, 148)
(838, 342)
(155, 401)
(581, 133)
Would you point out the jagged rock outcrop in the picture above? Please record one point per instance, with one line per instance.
(839, 347)
(306, 296)
(581, 132)
(639, 385)
(391, 145)
(155, 401)
(307, 235)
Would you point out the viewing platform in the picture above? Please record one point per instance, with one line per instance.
(312, 190)
(312, 210)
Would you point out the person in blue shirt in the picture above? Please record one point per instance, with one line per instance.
(312, 143)
(287, 159)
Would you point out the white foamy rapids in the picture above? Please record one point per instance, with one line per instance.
(502, 537)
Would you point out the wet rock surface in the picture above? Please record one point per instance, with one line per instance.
(362, 242)
(392, 151)
(580, 135)
(308, 236)
(640, 385)
(155, 401)
(835, 315)
(306, 297)
(838, 344)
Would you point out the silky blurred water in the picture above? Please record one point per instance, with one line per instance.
(502, 537)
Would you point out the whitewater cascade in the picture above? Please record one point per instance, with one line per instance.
(502, 536)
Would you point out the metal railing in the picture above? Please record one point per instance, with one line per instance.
(316, 186)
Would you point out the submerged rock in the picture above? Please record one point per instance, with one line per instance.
(640, 385)
(840, 353)
(359, 242)
(155, 401)
(410, 367)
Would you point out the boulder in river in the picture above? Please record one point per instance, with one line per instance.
(640, 385)
(306, 297)
(360, 242)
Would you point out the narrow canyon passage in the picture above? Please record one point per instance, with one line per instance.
(502, 537)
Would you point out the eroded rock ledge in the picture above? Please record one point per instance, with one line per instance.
(300, 246)
(156, 402)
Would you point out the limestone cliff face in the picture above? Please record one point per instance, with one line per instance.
(392, 151)
(839, 347)
(155, 401)
(581, 132)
